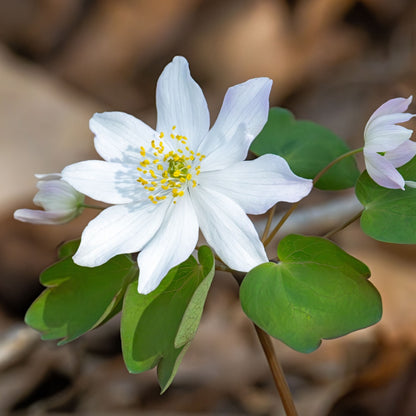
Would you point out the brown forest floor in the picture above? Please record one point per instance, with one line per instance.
(332, 61)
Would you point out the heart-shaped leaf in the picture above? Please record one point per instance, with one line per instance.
(156, 329)
(317, 291)
(78, 299)
(389, 214)
(307, 148)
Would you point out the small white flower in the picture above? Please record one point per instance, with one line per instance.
(388, 146)
(168, 183)
(60, 201)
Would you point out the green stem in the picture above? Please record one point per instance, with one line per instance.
(334, 162)
(92, 206)
(269, 223)
(294, 206)
(329, 234)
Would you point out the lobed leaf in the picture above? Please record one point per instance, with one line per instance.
(317, 291)
(78, 299)
(307, 148)
(389, 214)
(157, 328)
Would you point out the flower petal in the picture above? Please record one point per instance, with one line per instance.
(117, 230)
(256, 185)
(57, 195)
(118, 136)
(245, 110)
(171, 245)
(382, 171)
(180, 102)
(395, 105)
(109, 182)
(401, 154)
(228, 230)
(386, 137)
(36, 216)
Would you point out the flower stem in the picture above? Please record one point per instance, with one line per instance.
(344, 225)
(334, 162)
(277, 372)
(268, 240)
(274, 365)
(269, 223)
(279, 226)
(92, 206)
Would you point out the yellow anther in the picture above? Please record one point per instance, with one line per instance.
(193, 183)
(177, 173)
(164, 180)
(180, 193)
(159, 167)
(173, 127)
(161, 135)
(188, 177)
(172, 135)
(165, 187)
(142, 151)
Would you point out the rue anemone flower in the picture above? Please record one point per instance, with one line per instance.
(60, 201)
(387, 146)
(167, 183)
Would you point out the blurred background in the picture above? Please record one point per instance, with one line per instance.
(332, 61)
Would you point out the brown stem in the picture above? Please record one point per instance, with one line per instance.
(277, 372)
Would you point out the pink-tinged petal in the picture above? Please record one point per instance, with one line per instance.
(401, 154)
(257, 185)
(171, 245)
(118, 136)
(35, 216)
(395, 105)
(386, 138)
(228, 230)
(57, 195)
(382, 171)
(113, 183)
(245, 110)
(48, 176)
(117, 230)
(181, 103)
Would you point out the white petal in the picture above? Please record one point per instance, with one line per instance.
(117, 230)
(395, 105)
(386, 138)
(410, 184)
(109, 182)
(245, 110)
(44, 217)
(257, 185)
(228, 230)
(172, 244)
(382, 171)
(402, 154)
(57, 195)
(181, 103)
(48, 176)
(118, 136)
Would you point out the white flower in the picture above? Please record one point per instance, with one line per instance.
(60, 201)
(382, 135)
(168, 183)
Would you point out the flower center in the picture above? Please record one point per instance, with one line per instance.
(165, 172)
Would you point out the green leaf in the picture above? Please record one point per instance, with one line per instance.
(389, 214)
(317, 291)
(78, 299)
(307, 148)
(157, 328)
